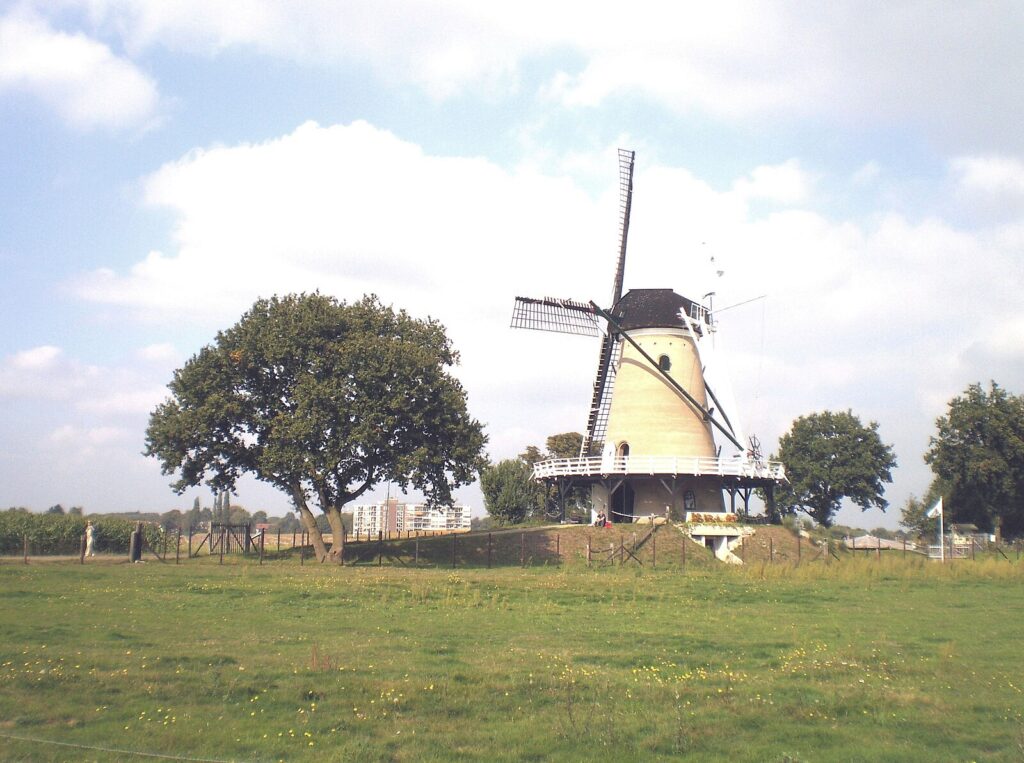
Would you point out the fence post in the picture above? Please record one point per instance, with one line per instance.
(177, 548)
(558, 547)
(293, 538)
(24, 539)
(878, 548)
(454, 536)
(190, 541)
(380, 547)
(222, 545)
(588, 550)
(302, 548)
(522, 549)
(344, 534)
(799, 546)
(416, 553)
(771, 549)
(972, 549)
(683, 565)
(904, 545)
(654, 549)
(263, 534)
(488, 551)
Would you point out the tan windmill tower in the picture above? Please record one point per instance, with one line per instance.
(656, 429)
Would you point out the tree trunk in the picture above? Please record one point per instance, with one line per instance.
(337, 533)
(309, 522)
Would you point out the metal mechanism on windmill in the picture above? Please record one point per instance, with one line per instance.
(650, 446)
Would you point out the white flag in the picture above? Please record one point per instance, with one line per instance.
(936, 510)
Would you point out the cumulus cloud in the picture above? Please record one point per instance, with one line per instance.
(47, 374)
(88, 437)
(873, 316)
(37, 358)
(78, 77)
(956, 72)
(783, 183)
(991, 178)
(161, 352)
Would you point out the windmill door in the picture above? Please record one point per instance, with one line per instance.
(622, 503)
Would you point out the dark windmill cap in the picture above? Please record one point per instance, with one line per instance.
(656, 308)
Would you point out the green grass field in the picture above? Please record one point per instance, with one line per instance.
(892, 659)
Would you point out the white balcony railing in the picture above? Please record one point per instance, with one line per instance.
(597, 466)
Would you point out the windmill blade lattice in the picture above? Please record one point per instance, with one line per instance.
(625, 206)
(564, 316)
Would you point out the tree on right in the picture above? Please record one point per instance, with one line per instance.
(830, 457)
(978, 453)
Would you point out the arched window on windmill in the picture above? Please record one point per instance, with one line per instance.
(664, 363)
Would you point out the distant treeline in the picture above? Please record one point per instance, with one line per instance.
(222, 512)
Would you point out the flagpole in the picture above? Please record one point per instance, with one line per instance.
(942, 545)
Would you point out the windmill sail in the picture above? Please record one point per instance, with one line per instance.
(601, 403)
(564, 316)
(625, 205)
(607, 362)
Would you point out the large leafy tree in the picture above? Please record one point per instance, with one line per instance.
(830, 457)
(510, 492)
(324, 400)
(978, 452)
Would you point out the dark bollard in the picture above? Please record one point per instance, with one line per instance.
(135, 546)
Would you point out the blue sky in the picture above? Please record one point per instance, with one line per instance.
(163, 165)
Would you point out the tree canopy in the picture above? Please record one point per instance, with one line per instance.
(830, 457)
(510, 493)
(978, 453)
(324, 400)
(564, 445)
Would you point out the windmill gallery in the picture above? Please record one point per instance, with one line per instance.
(658, 441)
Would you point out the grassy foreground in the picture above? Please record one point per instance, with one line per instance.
(896, 659)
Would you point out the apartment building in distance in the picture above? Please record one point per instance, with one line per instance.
(392, 518)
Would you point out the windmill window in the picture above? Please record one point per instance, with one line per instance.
(664, 363)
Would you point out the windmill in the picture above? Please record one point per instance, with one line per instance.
(650, 443)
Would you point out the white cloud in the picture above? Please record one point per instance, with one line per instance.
(783, 183)
(994, 177)
(161, 352)
(88, 437)
(78, 77)
(46, 374)
(884, 317)
(38, 358)
(352, 209)
(957, 71)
